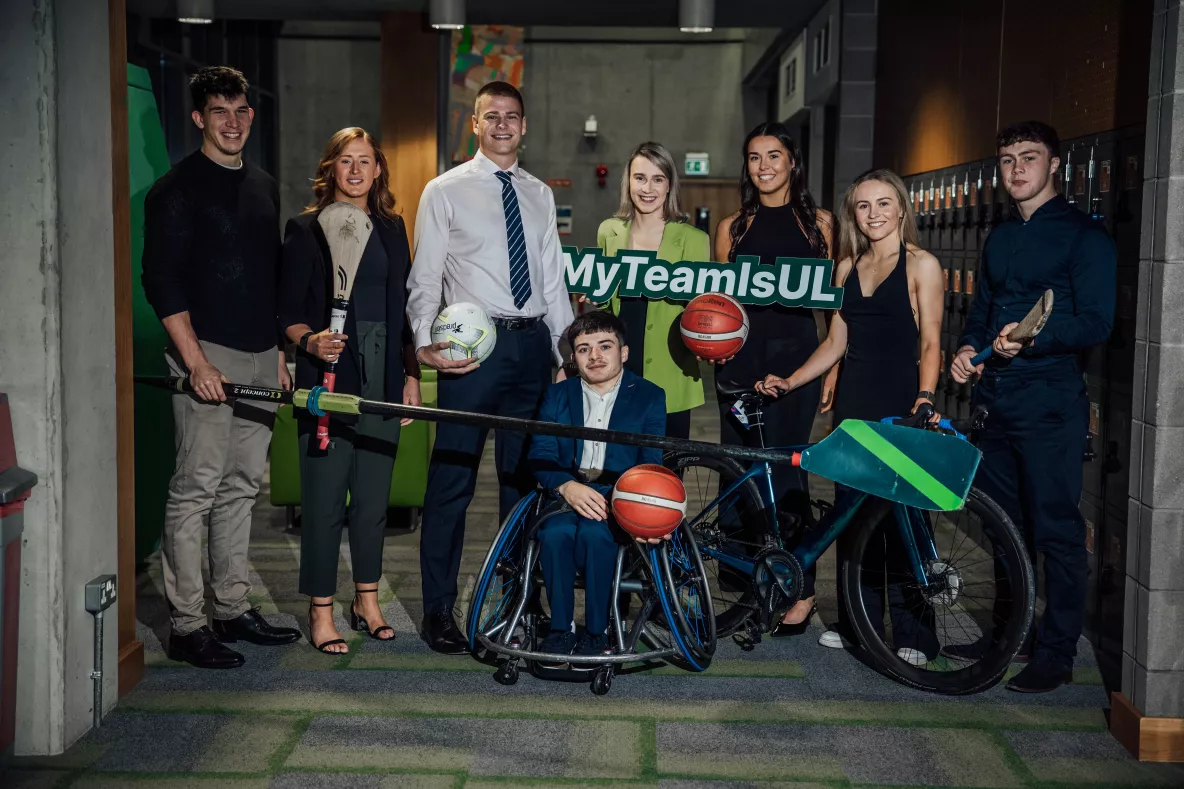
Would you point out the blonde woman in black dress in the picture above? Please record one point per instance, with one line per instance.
(888, 336)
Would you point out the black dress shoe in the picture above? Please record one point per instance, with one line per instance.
(1042, 674)
(201, 649)
(442, 634)
(252, 627)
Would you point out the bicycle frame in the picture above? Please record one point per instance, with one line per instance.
(914, 530)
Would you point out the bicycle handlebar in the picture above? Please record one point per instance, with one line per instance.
(959, 427)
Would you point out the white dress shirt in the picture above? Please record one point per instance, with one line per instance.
(461, 252)
(598, 409)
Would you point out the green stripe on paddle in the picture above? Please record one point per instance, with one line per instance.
(908, 469)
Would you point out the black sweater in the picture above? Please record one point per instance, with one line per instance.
(212, 248)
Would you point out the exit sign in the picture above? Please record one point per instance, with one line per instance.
(697, 164)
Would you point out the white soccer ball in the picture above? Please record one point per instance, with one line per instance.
(468, 331)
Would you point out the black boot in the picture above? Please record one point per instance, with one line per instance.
(1044, 673)
(201, 649)
(252, 627)
(442, 634)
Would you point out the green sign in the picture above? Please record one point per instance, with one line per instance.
(791, 282)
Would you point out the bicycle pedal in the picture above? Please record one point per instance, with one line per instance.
(742, 641)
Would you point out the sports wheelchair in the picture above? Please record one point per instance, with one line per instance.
(673, 619)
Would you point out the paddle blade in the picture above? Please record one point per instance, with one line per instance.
(1034, 321)
(347, 229)
(918, 468)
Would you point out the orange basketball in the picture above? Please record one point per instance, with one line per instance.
(714, 326)
(649, 501)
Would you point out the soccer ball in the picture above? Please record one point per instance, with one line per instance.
(467, 330)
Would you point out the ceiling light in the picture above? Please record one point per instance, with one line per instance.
(195, 12)
(696, 16)
(447, 14)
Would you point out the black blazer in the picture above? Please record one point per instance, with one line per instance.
(306, 292)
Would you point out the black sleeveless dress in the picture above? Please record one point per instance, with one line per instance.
(780, 340)
(878, 380)
(879, 376)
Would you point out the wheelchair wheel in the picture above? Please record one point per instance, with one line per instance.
(685, 597)
(736, 526)
(502, 579)
(960, 632)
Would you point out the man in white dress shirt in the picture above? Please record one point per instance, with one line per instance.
(485, 233)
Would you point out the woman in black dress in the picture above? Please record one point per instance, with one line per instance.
(777, 218)
(895, 296)
(375, 358)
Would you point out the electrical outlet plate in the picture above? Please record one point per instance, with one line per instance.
(100, 593)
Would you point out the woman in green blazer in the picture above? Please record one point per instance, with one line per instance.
(650, 218)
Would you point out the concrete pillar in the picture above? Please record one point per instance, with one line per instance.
(57, 354)
(857, 93)
(1153, 643)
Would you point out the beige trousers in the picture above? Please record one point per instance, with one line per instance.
(221, 457)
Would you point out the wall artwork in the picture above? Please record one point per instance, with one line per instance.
(480, 54)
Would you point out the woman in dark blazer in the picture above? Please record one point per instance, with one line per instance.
(375, 358)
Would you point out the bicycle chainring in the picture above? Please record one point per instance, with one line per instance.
(777, 583)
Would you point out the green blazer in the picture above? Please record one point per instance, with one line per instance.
(668, 363)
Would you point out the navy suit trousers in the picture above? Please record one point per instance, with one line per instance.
(511, 382)
(569, 543)
(1032, 452)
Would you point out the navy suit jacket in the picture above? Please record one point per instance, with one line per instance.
(640, 408)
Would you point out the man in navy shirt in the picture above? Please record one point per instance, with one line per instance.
(1039, 414)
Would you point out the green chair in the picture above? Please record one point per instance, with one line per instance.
(409, 479)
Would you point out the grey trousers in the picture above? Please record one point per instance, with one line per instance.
(221, 457)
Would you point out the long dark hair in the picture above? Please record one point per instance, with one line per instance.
(804, 209)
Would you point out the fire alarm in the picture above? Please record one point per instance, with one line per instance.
(601, 173)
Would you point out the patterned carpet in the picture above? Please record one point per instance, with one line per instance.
(788, 714)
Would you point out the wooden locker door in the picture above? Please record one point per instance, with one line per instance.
(721, 197)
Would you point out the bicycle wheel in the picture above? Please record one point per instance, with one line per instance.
(961, 631)
(736, 526)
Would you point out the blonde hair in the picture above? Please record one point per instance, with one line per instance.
(852, 241)
(657, 154)
(324, 187)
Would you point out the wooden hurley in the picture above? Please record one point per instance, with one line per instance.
(347, 229)
(1027, 329)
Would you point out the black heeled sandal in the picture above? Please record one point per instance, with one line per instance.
(331, 642)
(359, 623)
(783, 630)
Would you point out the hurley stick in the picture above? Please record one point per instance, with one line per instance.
(347, 229)
(1027, 329)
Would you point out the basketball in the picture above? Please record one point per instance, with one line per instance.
(649, 501)
(467, 330)
(714, 326)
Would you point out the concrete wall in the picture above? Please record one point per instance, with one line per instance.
(791, 99)
(684, 95)
(1153, 643)
(329, 76)
(57, 352)
(857, 92)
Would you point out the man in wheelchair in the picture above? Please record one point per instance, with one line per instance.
(584, 538)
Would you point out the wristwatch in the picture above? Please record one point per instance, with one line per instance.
(304, 341)
(923, 395)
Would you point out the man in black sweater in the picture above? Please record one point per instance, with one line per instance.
(211, 256)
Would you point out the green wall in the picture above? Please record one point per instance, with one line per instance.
(148, 160)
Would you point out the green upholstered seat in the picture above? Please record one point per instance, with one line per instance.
(409, 480)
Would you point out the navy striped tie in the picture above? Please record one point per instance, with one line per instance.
(515, 243)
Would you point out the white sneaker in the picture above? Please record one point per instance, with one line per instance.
(832, 640)
(913, 656)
